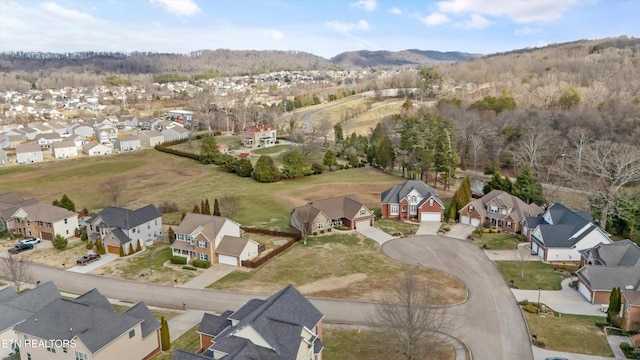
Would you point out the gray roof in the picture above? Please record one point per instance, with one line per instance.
(620, 253)
(149, 322)
(231, 245)
(65, 319)
(95, 299)
(26, 148)
(399, 192)
(210, 225)
(565, 225)
(518, 209)
(14, 309)
(9, 203)
(121, 218)
(605, 278)
(180, 354)
(7, 293)
(214, 324)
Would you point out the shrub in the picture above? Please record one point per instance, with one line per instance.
(203, 264)
(321, 231)
(329, 230)
(187, 267)
(485, 231)
(168, 207)
(89, 245)
(179, 260)
(60, 242)
(315, 233)
(446, 228)
(495, 231)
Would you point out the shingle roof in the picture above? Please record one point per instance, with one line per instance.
(9, 204)
(340, 207)
(149, 322)
(214, 324)
(632, 297)
(17, 308)
(519, 209)
(620, 253)
(605, 278)
(95, 299)
(563, 231)
(121, 218)
(398, 192)
(231, 245)
(180, 354)
(46, 213)
(64, 144)
(210, 225)
(27, 148)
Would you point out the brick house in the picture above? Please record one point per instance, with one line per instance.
(499, 210)
(323, 214)
(259, 136)
(412, 199)
(44, 221)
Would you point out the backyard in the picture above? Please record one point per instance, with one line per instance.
(338, 266)
(536, 274)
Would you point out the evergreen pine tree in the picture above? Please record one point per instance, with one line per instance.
(67, 203)
(139, 247)
(131, 249)
(165, 338)
(527, 187)
(207, 208)
(216, 207)
(171, 235)
(122, 251)
(196, 209)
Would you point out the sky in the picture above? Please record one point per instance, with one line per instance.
(321, 27)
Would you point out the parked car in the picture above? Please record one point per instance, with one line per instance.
(89, 258)
(30, 241)
(20, 248)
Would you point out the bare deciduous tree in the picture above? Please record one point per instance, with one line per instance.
(580, 138)
(16, 270)
(522, 256)
(113, 190)
(230, 205)
(325, 129)
(409, 320)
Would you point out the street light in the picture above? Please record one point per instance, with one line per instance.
(539, 290)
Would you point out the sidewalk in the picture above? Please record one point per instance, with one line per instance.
(209, 276)
(180, 324)
(565, 301)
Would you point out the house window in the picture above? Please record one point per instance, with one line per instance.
(202, 244)
(81, 356)
(320, 225)
(48, 224)
(29, 222)
(30, 234)
(413, 209)
(394, 209)
(509, 224)
(504, 211)
(493, 209)
(51, 348)
(470, 207)
(28, 356)
(64, 350)
(363, 212)
(203, 257)
(180, 237)
(132, 333)
(414, 199)
(404, 208)
(67, 232)
(430, 202)
(39, 223)
(66, 221)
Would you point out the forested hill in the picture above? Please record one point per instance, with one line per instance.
(228, 62)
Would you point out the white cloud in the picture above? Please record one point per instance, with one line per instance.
(67, 14)
(276, 35)
(520, 11)
(179, 7)
(366, 5)
(527, 31)
(477, 22)
(435, 19)
(345, 27)
(395, 11)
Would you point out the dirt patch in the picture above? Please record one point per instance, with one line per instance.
(332, 283)
(369, 195)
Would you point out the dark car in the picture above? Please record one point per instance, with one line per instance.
(20, 248)
(89, 258)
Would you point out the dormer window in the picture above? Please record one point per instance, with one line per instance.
(493, 209)
(504, 211)
(470, 207)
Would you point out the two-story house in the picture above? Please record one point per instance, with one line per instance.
(344, 211)
(498, 210)
(47, 139)
(9, 204)
(259, 136)
(64, 149)
(284, 326)
(128, 143)
(28, 153)
(44, 221)
(202, 237)
(88, 328)
(412, 199)
(106, 134)
(96, 149)
(123, 227)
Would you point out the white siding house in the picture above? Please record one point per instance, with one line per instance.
(28, 153)
(64, 149)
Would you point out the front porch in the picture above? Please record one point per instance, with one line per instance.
(184, 249)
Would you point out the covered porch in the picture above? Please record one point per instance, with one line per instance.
(183, 249)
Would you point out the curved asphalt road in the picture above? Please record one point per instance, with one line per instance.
(490, 321)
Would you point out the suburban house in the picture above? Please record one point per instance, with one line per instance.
(258, 136)
(181, 116)
(15, 308)
(123, 227)
(83, 130)
(284, 326)
(3, 157)
(106, 134)
(203, 237)
(46, 140)
(412, 199)
(606, 266)
(560, 233)
(44, 221)
(9, 204)
(499, 210)
(344, 211)
(151, 138)
(95, 149)
(89, 328)
(630, 310)
(64, 149)
(127, 122)
(28, 153)
(175, 132)
(128, 143)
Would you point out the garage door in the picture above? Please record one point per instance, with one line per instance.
(430, 216)
(541, 253)
(46, 236)
(113, 250)
(584, 291)
(228, 260)
(475, 222)
(464, 220)
(363, 223)
(534, 248)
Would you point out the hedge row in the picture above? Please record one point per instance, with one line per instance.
(203, 264)
(179, 260)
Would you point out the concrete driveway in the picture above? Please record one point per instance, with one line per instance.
(428, 228)
(104, 259)
(566, 301)
(490, 321)
(460, 231)
(375, 234)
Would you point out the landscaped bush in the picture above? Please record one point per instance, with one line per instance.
(321, 231)
(329, 230)
(446, 228)
(179, 260)
(203, 264)
(187, 267)
(485, 231)
(315, 233)
(495, 231)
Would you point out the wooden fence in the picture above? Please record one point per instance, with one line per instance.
(294, 237)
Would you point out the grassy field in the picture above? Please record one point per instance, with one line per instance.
(572, 333)
(392, 226)
(497, 241)
(66, 258)
(189, 341)
(339, 266)
(270, 150)
(149, 176)
(345, 344)
(147, 266)
(537, 274)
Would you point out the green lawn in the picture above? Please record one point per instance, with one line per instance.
(189, 341)
(537, 274)
(572, 333)
(392, 226)
(355, 268)
(270, 150)
(499, 241)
